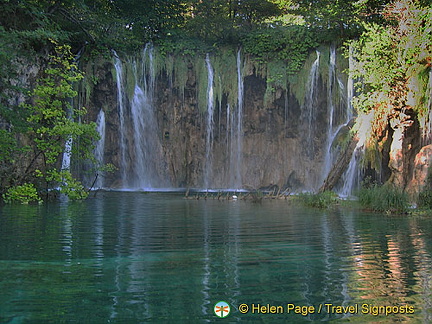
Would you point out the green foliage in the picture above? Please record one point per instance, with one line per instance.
(125, 25)
(283, 52)
(298, 80)
(226, 82)
(386, 198)
(322, 200)
(221, 21)
(425, 199)
(181, 73)
(24, 194)
(51, 115)
(66, 184)
(49, 120)
(392, 63)
(288, 44)
(180, 44)
(7, 145)
(338, 19)
(202, 83)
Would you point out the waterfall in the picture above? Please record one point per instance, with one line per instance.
(210, 124)
(310, 104)
(146, 142)
(333, 126)
(67, 154)
(140, 147)
(328, 160)
(352, 176)
(121, 111)
(345, 113)
(100, 146)
(237, 132)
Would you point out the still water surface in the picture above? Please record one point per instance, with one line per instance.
(126, 257)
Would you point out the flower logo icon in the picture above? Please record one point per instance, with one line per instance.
(221, 309)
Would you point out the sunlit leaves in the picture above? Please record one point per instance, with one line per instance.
(289, 44)
(52, 121)
(392, 64)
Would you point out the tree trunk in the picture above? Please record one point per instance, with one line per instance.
(339, 167)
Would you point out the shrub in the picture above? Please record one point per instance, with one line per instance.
(23, 194)
(322, 200)
(386, 198)
(425, 199)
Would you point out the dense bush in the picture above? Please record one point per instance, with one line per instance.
(386, 198)
(23, 194)
(425, 199)
(321, 200)
(289, 44)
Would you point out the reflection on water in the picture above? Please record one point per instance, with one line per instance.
(135, 257)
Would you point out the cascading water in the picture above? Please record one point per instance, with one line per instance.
(122, 119)
(310, 104)
(330, 107)
(210, 125)
(143, 158)
(236, 131)
(146, 142)
(352, 176)
(139, 143)
(100, 146)
(333, 125)
(67, 153)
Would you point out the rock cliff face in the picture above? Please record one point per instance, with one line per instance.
(222, 121)
(204, 134)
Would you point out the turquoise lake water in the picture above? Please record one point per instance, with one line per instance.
(128, 257)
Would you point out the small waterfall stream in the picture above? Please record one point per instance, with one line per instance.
(145, 129)
(236, 131)
(121, 111)
(310, 104)
(210, 125)
(100, 146)
(337, 118)
(139, 143)
(67, 152)
(352, 176)
(66, 161)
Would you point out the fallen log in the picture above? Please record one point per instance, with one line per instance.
(339, 167)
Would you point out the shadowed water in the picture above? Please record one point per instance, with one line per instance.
(126, 257)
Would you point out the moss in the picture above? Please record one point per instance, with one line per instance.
(372, 156)
(225, 67)
(324, 64)
(201, 82)
(298, 80)
(129, 79)
(180, 73)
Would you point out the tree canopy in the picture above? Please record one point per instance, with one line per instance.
(123, 24)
